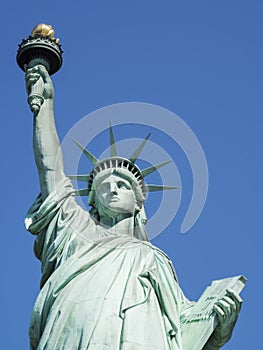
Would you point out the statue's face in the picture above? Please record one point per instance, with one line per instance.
(115, 196)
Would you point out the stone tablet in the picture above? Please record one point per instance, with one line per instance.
(198, 326)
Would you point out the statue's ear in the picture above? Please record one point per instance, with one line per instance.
(96, 203)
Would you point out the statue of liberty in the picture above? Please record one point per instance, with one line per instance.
(103, 285)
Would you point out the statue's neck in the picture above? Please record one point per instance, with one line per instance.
(121, 224)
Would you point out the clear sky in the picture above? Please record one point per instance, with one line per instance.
(202, 60)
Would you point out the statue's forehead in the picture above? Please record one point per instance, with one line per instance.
(109, 175)
(114, 178)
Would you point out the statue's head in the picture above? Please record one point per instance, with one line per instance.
(116, 187)
(115, 197)
(116, 191)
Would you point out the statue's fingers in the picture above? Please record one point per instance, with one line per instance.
(31, 75)
(224, 306)
(236, 298)
(219, 312)
(44, 73)
(231, 302)
(30, 80)
(33, 69)
(33, 80)
(234, 295)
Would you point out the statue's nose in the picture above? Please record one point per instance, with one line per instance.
(113, 188)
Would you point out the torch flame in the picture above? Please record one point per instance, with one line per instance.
(44, 30)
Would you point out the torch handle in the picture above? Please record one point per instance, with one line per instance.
(36, 98)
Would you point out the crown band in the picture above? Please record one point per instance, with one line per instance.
(117, 163)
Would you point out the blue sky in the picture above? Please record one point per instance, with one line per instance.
(199, 59)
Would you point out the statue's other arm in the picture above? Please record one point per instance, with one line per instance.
(46, 143)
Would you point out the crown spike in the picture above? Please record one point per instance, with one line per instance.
(113, 149)
(155, 188)
(153, 168)
(89, 155)
(137, 152)
(84, 178)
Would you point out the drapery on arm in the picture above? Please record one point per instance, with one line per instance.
(46, 143)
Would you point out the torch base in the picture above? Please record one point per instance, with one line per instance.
(42, 48)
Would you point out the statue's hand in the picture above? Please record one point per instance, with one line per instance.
(227, 310)
(32, 77)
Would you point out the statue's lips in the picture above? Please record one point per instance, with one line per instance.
(114, 199)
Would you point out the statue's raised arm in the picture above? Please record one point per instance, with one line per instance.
(46, 144)
(40, 55)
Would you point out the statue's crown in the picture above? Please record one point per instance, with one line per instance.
(117, 162)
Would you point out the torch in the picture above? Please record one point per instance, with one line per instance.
(40, 48)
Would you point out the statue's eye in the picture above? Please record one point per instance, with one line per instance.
(123, 185)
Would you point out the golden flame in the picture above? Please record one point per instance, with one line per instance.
(44, 30)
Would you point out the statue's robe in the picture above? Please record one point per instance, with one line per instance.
(99, 290)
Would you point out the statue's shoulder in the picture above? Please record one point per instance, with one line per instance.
(157, 250)
(162, 258)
